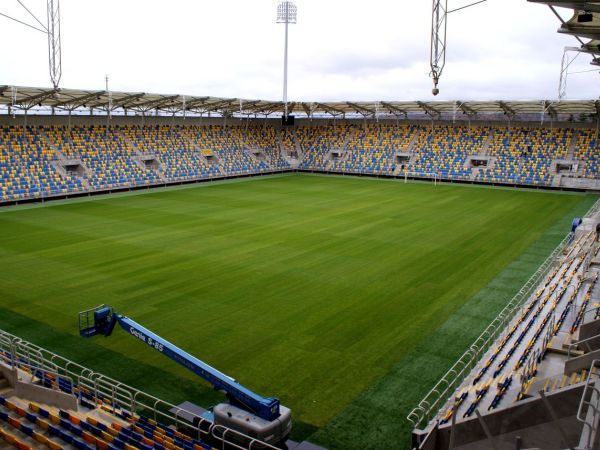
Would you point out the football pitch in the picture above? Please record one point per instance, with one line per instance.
(344, 297)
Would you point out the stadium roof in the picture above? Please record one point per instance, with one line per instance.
(584, 24)
(16, 98)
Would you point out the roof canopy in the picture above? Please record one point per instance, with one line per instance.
(584, 24)
(121, 103)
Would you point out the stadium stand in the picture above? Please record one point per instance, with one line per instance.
(26, 169)
(84, 410)
(107, 158)
(587, 152)
(44, 161)
(535, 384)
(373, 149)
(169, 150)
(444, 150)
(288, 141)
(324, 145)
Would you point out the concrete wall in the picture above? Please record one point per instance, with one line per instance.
(589, 329)
(18, 380)
(581, 362)
(41, 394)
(9, 374)
(579, 183)
(519, 416)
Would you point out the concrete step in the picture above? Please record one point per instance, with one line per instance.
(5, 388)
(21, 436)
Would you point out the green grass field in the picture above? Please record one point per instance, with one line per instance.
(344, 297)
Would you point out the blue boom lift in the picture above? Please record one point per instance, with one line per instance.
(247, 412)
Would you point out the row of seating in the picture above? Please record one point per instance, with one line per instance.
(518, 155)
(563, 381)
(106, 156)
(551, 282)
(57, 429)
(524, 155)
(34, 160)
(584, 305)
(373, 149)
(562, 287)
(13, 440)
(519, 352)
(445, 150)
(318, 141)
(26, 168)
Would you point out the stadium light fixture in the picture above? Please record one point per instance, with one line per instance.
(52, 30)
(286, 14)
(437, 54)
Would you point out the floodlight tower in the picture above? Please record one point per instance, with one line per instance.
(437, 55)
(52, 30)
(286, 13)
(54, 47)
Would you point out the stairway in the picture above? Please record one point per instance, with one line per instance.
(411, 144)
(556, 180)
(486, 145)
(62, 159)
(130, 142)
(137, 159)
(61, 156)
(572, 145)
(349, 136)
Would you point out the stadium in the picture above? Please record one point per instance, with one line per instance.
(196, 272)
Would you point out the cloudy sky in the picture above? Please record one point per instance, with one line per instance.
(339, 49)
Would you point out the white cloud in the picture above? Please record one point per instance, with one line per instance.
(339, 50)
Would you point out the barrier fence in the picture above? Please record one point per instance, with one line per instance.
(84, 383)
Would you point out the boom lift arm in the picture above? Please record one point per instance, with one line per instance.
(103, 319)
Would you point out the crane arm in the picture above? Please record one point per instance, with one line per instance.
(102, 320)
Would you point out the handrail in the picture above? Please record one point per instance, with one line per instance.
(13, 350)
(582, 341)
(32, 369)
(455, 376)
(591, 425)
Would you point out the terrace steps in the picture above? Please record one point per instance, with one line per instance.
(4, 385)
(572, 145)
(411, 144)
(486, 144)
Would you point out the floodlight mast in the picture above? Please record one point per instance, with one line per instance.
(437, 55)
(54, 47)
(286, 14)
(564, 69)
(52, 30)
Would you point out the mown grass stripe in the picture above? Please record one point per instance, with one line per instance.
(308, 288)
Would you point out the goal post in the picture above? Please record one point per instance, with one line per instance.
(430, 175)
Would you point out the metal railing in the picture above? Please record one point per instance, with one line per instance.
(588, 412)
(573, 345)
(18, 353)
(429, 406)
(440, 393)
(137, 185)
